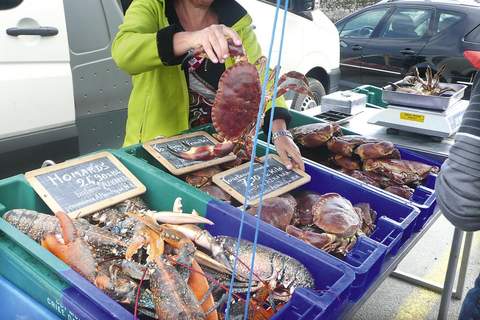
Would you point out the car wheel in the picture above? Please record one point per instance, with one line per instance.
(303, 102)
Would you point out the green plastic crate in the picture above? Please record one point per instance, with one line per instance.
(374, 96)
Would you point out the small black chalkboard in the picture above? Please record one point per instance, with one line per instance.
(279, 180)
(161, 149)
(82, 186)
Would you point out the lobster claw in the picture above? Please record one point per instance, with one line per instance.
(203, 153)
(72, 250)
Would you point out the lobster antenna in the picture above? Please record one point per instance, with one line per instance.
(250, 171)
(265, 164)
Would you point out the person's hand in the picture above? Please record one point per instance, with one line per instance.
(289, 153)
(213, 40)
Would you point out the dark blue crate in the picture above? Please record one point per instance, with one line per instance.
(424, 196)
(333, 278)
(15, 304)
(401, 217)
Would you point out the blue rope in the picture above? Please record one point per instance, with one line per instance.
(252, 163)
(265, 165)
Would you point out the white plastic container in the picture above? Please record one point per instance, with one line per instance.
(344, 101)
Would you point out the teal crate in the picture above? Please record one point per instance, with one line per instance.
(374, 96)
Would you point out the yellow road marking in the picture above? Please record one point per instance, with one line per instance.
(421, 301)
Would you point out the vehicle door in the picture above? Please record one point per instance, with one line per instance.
(354, 34)
(444, 47)
(392, 52)
(36, 92)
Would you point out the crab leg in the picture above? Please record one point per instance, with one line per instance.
(177, 218)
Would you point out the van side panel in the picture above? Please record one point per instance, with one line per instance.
(101, 90)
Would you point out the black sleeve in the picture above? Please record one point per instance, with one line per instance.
(280, 113)
(165, 45)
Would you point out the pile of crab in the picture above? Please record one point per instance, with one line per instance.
(162, 265)
(329, 222)
(430, 86)
(369, 160)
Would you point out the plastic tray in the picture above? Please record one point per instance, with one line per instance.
(15, 304)
(45, 278)
(395, 223)
(422, 101)
(424, 196)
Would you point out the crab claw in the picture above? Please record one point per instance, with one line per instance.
(295, 81)
(202, 153)
(177, 218)
(72, 250)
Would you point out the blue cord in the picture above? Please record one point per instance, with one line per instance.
(252, 163)
(265, 165)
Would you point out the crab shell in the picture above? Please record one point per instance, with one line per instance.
(375, 150)
(345, 162)
(400, 171)
(276, 211)
(345, 145)
(368, 217)
(335, 215)
(304, 214)
(202, 177)
(315, 134)
(237, 100)
(403, 191)
(217, 193)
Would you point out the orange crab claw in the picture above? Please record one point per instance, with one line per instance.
(73, 251)
(205, 152)
(199, 285)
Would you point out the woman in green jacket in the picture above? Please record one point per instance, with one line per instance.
(171, 93)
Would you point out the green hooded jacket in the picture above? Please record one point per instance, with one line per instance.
(159, 102)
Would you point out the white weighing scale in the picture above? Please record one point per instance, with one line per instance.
(437, 124)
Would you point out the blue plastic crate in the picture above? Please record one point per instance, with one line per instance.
(424, 197)
(332, 277)
(392, 214)
(365, 259)
(15, 304)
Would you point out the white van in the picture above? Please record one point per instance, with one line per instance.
(62, 95)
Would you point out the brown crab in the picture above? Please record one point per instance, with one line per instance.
(315, 134)
(403, 191)
(345, 145)
(345, 162)
(339, 223)
(430, 86)
(217, 193)
(202, 177)
(277, 211)
(237, 103)
(400, 171)
(375, 150)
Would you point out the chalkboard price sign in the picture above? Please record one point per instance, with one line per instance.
(279, 180)
(82, 186)
(160, 149)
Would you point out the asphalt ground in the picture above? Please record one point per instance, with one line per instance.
(399, 300)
